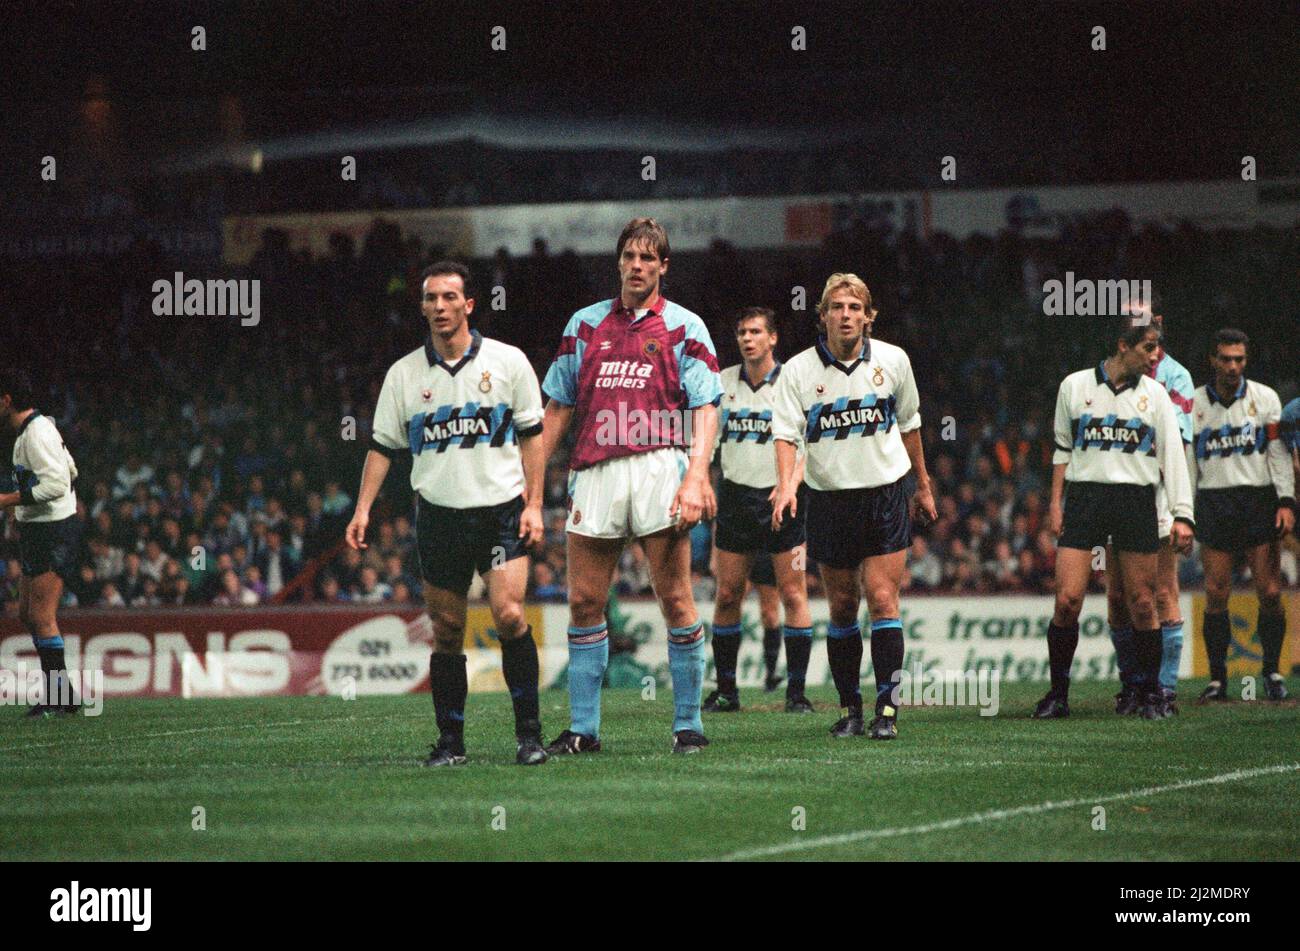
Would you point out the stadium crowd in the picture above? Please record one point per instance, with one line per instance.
(218, 462)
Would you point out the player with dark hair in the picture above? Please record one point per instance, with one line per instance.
(637, 378)
(1173, 376)
(469, 411)
(744, 523)
(851, 402)
(1117, 439)
(1245, 502)
(45, 505)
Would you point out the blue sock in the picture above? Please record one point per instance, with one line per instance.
(1171, 635)
(798, 647)
(588, 658)
(1122, 638)
(686, 664)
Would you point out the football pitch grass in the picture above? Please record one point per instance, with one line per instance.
(309, 778)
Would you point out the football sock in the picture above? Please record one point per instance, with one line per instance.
(771, 649)
(58, 690)
(686, 665)
(588, 658)
(726, 649)
(449, 685)
(1122, 638)
(798, 647)
(1147, 650)
(1218, 634)
(1171, 639)
(844, 651)
(886, 658)
(1272, 632)
(519, 665)
(1061, 644)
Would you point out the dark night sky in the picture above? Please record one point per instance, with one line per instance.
(1183, 90)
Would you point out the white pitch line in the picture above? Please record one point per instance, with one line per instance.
(216, 728)
(996, 815)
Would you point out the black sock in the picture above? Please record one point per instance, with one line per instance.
(771, 649)
(449, 685)
(55, 668)
(519, 664)
(845, 655)
(1061, 644)
(798, 648)
(1218, 634)
(1148, 648)
(726, 651)
(1272, 632)
(886, 660)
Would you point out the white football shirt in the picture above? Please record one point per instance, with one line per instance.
(460, 423)
(1237, 439)
(848, 417)
(43, 472)
(745, 428)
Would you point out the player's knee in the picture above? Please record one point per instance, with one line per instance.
(770, 617)
(509, 620)
(1068, 607)
(586, 609)
(844, 610)
(794, 594)
(1216, 594)
(730, 596)
(1142, 609)
(448, 640)
(882, 601)
(678, 607)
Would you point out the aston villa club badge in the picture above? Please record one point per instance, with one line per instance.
(485, 384)
(650, 347)
(878, 377)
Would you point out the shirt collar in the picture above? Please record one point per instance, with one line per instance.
(655, 307)
(772, 374)
(435, 358)
(1216, 398)
(1103, 377)
(827, 358)
(27, 422)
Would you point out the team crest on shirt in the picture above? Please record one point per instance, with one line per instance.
(485, 384)
(878, 377)
(650, 347)
(1251, 408)
(1142, 404)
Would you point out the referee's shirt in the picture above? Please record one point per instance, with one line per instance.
(1238, 440)
(849, 417)
(44, 472)
(460, 422)
(1121, 435)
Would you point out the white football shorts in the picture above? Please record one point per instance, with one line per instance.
(627, 497)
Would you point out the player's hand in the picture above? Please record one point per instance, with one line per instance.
(1055, 518)
(1285, 521)
(694, 501)
(782, 499)
(531, 527)
(924, 511)
(356, 533)
(1180, 536)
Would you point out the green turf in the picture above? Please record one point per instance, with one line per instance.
(324, 778)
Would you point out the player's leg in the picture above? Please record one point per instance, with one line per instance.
(763, 578)
(1170, 613)
(1073, 569)
(792, 584)
(733, 571)
(592, 562)
(844, 644)
(668, 553)
(1139, 570)
(1121, 634)
(882, 576)
(1214, 622)
(448, 679)
(43, 592)
(1266, 568)
(506, 586)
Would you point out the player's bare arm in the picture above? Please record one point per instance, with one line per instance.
(555, 423)
(695, 499)
(1056, 510)
(9, 499)
(786, 494)
(532, 456)
(372, 479)
(923, 507)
